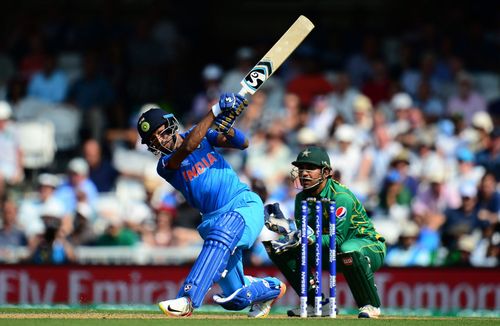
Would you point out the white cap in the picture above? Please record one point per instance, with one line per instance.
(362, 103)
(307, 136)
(468, 189)
(79, 166)
(409, 229)
(344, 133)
(47, 179)
(52, 208)
(482, 120)
(401, 101)
(5, 110)
(212, 72)
(83, 209)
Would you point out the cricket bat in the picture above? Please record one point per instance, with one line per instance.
(273, 59)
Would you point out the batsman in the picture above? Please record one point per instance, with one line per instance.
(360, 249)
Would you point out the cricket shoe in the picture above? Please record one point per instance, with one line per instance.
(369, 311)
(262, 309)
(180, 307)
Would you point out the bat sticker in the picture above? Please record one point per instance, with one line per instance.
(258, 75)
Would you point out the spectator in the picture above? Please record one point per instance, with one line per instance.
(343, 97)
(83, 232)
(431, 105)
(160, 234)
(466, 171)
(401, 164)
(101, 172)
(31, 209)
(310, 81)
(49, 85)
(489, 158)
(117, 234)
(488, 199)
(395, 195)
(346, 153)
(487, 250)
(10, 233)
(434, 195)
(401, 103)
(93, 95)
(77, 187)
(11, 169)
(244, 61)
(321, 117)
(52, 247)
(408, 251)
(378, 86)
(463, 220)
(466, 101)
(212, 75)
(276, 153)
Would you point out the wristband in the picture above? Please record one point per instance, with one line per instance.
(237, 140)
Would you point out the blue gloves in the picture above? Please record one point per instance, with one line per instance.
(232, 103)
(224, 122)
(229, 107)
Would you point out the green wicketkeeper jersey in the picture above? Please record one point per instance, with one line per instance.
(351, 217)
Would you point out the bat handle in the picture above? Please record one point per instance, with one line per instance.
(216, 107)
(243, 91)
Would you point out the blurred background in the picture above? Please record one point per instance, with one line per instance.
(405, 97)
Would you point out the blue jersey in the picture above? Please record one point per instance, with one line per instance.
(205, 179)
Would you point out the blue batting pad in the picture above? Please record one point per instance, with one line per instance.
(208, 268)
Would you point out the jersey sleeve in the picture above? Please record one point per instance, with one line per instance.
(212, 136)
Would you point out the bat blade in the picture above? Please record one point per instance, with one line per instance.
(273, 59)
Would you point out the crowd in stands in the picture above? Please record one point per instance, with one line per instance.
(411, 124)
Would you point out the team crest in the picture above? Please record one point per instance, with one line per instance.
(257, 76)
(145, 126)
(341, 212)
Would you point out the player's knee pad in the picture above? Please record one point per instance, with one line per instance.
(359, 277)
(211, 263)
(257, 291)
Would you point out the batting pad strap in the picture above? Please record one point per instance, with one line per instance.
(214, 256)
(258, 290)
(360, 278)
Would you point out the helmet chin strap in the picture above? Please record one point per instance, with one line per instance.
(318, 180)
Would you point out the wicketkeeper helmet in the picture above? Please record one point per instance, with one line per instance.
(313, 155)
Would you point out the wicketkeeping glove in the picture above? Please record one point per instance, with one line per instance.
(277, 222)
(291, 240)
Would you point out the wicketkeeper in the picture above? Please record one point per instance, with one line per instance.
(360, 249)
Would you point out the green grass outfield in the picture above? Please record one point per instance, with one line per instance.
(26, 316)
